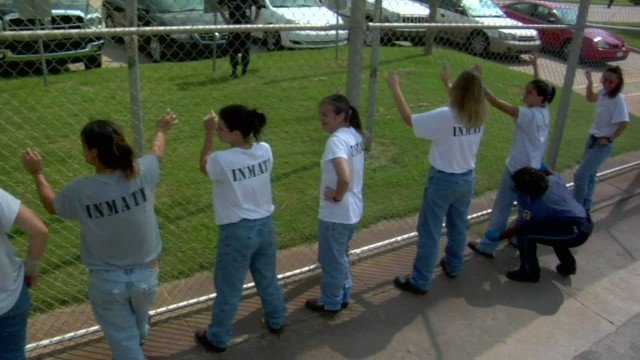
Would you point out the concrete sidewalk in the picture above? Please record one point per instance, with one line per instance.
(481, 314)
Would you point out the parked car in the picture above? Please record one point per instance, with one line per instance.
(170, 13)
(480, 41)
(305, 12)
(597, 45)
(393, 11)
(65, 15)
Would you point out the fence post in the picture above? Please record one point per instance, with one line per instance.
(373, 76)
(134, 76)
(567, 86)
(356, 46)
(430, 34)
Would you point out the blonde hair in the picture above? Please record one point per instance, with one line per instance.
(467, 100)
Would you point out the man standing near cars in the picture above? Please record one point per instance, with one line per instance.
(238, 12)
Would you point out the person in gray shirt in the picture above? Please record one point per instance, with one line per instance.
(120, 240)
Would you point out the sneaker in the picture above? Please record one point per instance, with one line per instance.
(521, 276)
(566, 270)
(244, 72)
(201, 338)
(275, 331)
(312, 304)
(474, 246)
(404, 283)
(443, 264)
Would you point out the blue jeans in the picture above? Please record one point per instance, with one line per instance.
(333, 250)
(246, 245)
(13, 328)
(585, 177)
(121, 300)
(502, 206)
(446, 197)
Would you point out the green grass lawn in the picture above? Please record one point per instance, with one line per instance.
(287, 86)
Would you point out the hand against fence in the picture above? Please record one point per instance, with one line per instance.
(166, 121)
(393, 79)
(32, 161)
(476, 69)
(533, 59)
(210, 122)
(445, 74)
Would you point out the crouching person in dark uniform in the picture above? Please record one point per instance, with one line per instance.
(548, 215)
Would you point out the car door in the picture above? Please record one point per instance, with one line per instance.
(452, 11)
(551, 39)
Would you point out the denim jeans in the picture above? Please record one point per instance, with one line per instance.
(13, 328)
(502, 206)
(585, 177)
(246, 245)
(446, 197)
(333, 249)
(121, 300)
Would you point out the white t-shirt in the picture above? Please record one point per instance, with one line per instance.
(118, 224)
(11, 269)
(241, 183)
(531, 135)
(453, 146)
(344, 143)
(610, 112)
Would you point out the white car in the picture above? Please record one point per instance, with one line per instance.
(304, 12)
(480, 41)
(393, 11)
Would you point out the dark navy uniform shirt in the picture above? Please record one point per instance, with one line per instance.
(239, 11)
(557, 205)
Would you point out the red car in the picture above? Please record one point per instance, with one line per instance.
(597, 45)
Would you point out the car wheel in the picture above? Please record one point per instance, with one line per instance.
(92, 62)
(155, 48)
(477, 43)
(273, 40)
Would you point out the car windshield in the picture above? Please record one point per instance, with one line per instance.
(294, 3)
(167, 6)
(482, 8)
(9, 4)
(567, 16)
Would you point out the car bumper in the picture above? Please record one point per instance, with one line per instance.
(313, 39)
(602, 55)
(91, 48)
(513, 46)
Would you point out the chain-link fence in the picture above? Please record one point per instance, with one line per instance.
(82, 60)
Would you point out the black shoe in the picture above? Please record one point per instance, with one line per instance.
(201, 338)
(443, 264)
(404, 283)
(474, 246)
(566, 270)
(244, 72)
(312, 304)
(275, 331)
(521, 276)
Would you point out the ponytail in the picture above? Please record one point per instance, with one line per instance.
(112, 148)
(341, 105)
(249, 122)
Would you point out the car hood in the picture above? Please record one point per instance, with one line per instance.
(403, 7)
(607, 36)
(309, 15)
(186, 18)
(83, 7)
(506, 22)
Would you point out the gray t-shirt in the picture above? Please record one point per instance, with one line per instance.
(11, 269)
(117, 220)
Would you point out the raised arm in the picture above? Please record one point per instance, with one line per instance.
(38, 233)
(445, 76)
(393, 79)
(590, 95)
(533, 59)
(163, 125)
(501, 105)
(210, 123)
(32, 162)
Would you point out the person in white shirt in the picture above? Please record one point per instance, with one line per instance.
(455, 132)
(341, 201)
(610, 121)
(241, 179)
(17, 275)
(119, 236)
(531, 134)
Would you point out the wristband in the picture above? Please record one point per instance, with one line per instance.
(336, 200)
